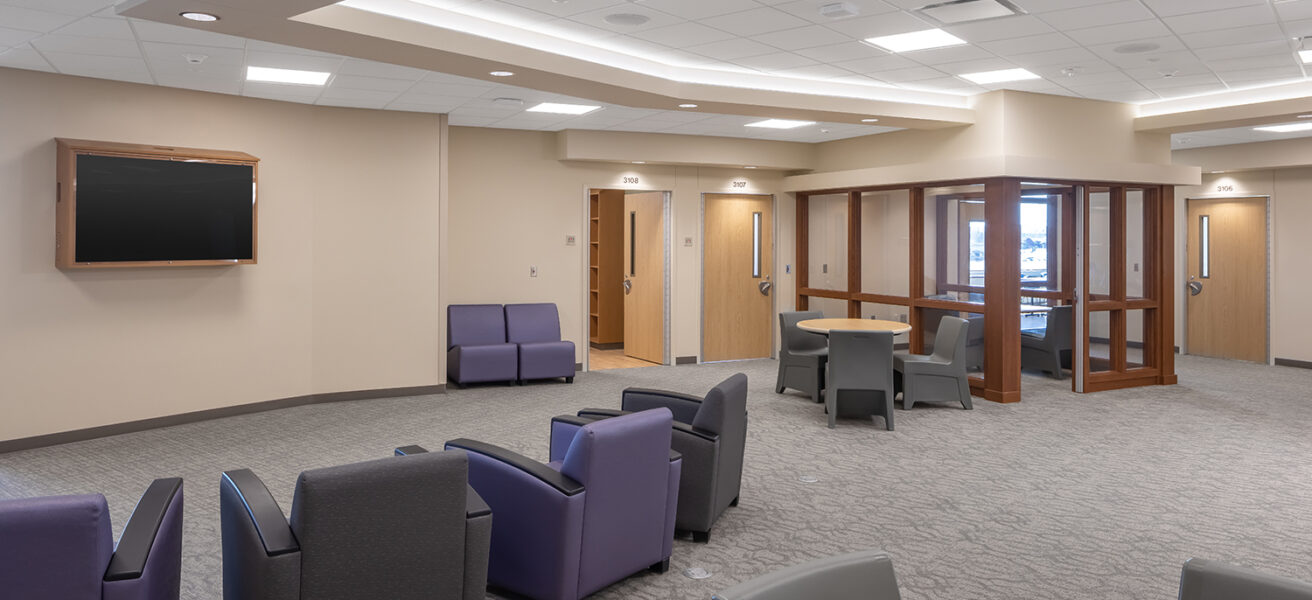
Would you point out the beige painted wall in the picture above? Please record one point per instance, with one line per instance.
(344, 296)
(512, 203)
(1290, 213)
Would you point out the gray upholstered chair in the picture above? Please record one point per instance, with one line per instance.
(802, 355)
(860, 375)
(711, 434)
(864, 575)
(1210, 580)
(1051, 350)
(937, 376)
(405, 528)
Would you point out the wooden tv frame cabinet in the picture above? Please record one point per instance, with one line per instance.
(66, 197)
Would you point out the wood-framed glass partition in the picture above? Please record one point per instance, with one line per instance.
(1000, 253)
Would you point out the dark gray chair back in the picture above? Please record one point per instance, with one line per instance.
(860, 360)
(724, 411)
(950, 341)
(391, 528)
(864, 575)
(1058, 331)
(1210, 580)
(793, 339)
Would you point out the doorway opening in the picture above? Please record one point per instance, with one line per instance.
(627, 278)
(1227, 310)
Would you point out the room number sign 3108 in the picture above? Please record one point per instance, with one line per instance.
(630, 180)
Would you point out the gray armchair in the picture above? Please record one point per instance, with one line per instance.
(937, 376)
(405, 528)
(1050, 351)
(860, 375)
(711, 434)
(1210, 580)
(864, 575)
(802, 355)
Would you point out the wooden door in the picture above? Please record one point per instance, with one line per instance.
(644, 276)
(737, 313)
(1227, 267)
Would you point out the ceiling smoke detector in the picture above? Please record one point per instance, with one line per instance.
(1070, 71)
(839, 10)
(964, 11)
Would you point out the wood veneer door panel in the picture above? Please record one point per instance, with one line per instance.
(644, 265)
(737, 317)
(1228, 318)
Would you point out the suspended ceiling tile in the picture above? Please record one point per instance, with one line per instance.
(1124, 11)
(1120, 32)
(150, 31)
(98, 27)
(1167, 8)
(684, 34)
(27, 19)
(1030, 44)
(755, 22)
(1258, 14)
(811, 36)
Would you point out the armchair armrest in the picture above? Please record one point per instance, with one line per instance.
(602, 413)
(542, 472)
(683, 406)
(474, 504)
(274, 531)
(1210, 580)
(134, 546)
(686, 429)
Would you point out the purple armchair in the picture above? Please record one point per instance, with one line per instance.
(62, 547)
(476, 344)
(601, 510)
(542, 354)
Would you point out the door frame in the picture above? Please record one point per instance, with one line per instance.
(1184, 273)
(668, 207)
(701, 267)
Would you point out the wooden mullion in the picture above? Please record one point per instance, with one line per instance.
(1118, 341)
(1068, 245)
(1082, 308)
(821, 293)
(882, 299)
(854, 252)
(1116, 243)
(916, 285)
(803, 250)
(1164, 240)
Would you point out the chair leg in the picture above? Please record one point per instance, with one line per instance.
(779, 379)
(569, 380)
(701, 537)
(908, 391)
(888, 408)
(660, 567)
(831, 406)
(1056, 365)
(963, 388)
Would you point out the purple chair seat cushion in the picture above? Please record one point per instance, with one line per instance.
(542, 360)
(470, 364)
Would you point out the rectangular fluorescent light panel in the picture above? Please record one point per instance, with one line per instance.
(1285, 128)
(292, 76)
(1305, 56)
(787, 124)
(916, 40)
(563, 109)
(999, 76)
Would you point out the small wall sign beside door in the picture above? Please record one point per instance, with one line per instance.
(1225, 188)
(737, 185)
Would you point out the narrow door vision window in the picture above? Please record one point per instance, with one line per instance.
(1204, 247)
(756, 244)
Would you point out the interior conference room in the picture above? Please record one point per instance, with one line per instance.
(654, 299)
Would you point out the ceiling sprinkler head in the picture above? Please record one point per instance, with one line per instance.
(195, 59)
(1070, 71)
(1169, 74)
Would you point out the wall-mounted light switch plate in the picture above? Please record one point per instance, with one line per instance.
(569, 240)
(788, 269)
(532, 271)
(687, 241)
(824, 268)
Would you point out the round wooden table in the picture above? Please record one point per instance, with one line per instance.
(825, 325)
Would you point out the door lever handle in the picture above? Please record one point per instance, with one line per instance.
(1195, 288)
(628, 287)
(764, 286)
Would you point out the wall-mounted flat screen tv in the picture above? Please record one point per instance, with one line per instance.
(122, 205)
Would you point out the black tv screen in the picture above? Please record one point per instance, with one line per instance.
(141, 209)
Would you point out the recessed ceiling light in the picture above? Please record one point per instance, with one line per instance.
(1305, 55)
(1215, 172)
(916, 40)
(563, 109)
(962, 11)
(999, 76)
(627, 19)
(292, 76)
(1285, 128)
(749, 167)
(639, 162)
(199, 16)
(1136, 48)
(869, 120)
(501, 73)
(687, 105)
(780, 124)
(1305, 116)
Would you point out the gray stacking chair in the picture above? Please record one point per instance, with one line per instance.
(1045, 351)
(864, 575)
(937, 376)
(407, 528)
(860, 375)
(1210, 580)
(802, 355)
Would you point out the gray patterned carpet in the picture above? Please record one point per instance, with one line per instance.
(1062, 496)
